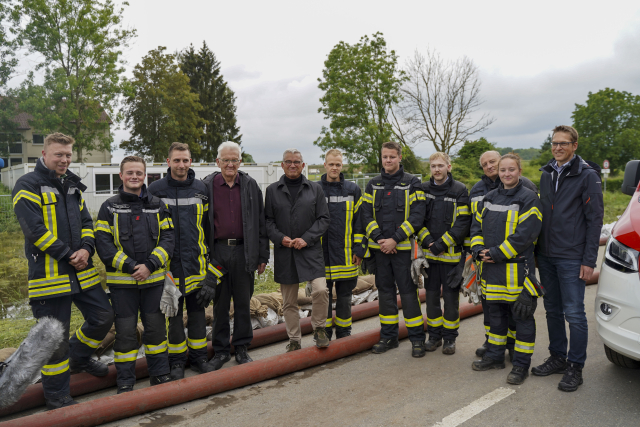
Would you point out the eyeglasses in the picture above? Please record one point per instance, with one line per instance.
(561, 144)
(227, 161)
(295, 162)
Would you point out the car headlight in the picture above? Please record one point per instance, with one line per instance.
(621, 257)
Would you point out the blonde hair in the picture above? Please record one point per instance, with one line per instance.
(440, 155)
(58, 138)
(333, 152)
(512, 156)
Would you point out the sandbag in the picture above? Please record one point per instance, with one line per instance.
(272, 301)
(256, 309)
(107, 342)
(362, 286)
(208, 315)
(303, 299)
(6, 352)
(370, 279)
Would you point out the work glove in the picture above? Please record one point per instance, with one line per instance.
(207, 293)
(454, 278)
(169, 303)
(469, 277)
(525, 305)
(419, 264)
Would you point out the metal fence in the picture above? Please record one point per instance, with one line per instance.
(6, 210)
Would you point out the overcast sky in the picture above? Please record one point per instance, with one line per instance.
(536, 59)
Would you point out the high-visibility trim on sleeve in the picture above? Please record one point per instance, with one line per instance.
(215, 271)
(87, 232)
(24, 194)
(45, 241)
(357, 206)
(367, 198)
(166, 224)
(104, 226)
(118, 260)
(533, 211)
(407, 228)
(507, 249)
(161, 254)
(463, 210)
(532, 289)
(448, 240)
(371, 227)
(477, 240)
(422, 234)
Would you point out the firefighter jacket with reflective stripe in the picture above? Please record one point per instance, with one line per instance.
(188, 204)
(393, 206)
(447, 220)
(507, 223)
(134, 230)
(485, 185)
(573, 213)
(345, 234)
(55, 223)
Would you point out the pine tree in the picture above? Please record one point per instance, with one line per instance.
(218, 115)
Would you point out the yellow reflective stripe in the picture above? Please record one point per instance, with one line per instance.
(477, 240)
(178, 348)
(161, 254)
(367, 198)
(418, 195)
(215, 271)
(104, 226)
(497, 339)
(438, 321)
(202, 262)
(154, 277)
(45, 241)
(24, 194)
(532, 289)
(370, 227)
(343, 323)
(86, 340)
(57, 369)
(414, 321)
(357, 238)
(511, 334)
(81, 205)
(422, 234)
(507, 249)
(348, 232)
(197, 343)
(512, 275)
(51, 223)
(448, 240)
(118, 260)
(462, 210)
(156, 349)
(407, 228)
(129, 356)
(452, 325)
(167, 224)
(87, 232)
(389, 320)
(329, 322)
(533, 211)
(487, 328)
(357, 206)
(524, 347)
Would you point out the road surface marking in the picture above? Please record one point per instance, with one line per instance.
(475, 407)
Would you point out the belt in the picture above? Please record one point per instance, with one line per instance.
(229, 242)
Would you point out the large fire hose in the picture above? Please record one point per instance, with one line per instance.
(113, 408)
(85, 383)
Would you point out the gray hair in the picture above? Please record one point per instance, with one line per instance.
(488, 152)
(292, 151)
(229, 144)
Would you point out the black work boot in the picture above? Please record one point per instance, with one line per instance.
(432, 344)
(242, 356)
(90, 366)
(552, 365)
(487, 363)
(343, 332)
(417, 349)
(480, 351)
(201, 366)
(124, 389)
(384, 345)
(293, 346)
(177, 371)
(60, 403)
(511, 353)
(320, 337)
(449, 347)
(160, 379)
(218, 360)
(517, 375)
(572, 379)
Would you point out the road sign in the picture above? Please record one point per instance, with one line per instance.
(606, 171)
(605, 165)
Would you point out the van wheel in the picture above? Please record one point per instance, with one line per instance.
(621, 360)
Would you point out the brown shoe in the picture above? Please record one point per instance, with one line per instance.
(321, 338)
(293, 346)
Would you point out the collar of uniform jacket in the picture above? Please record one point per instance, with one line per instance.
(510, 191)
(323, 179)
(395, 177)
(191, 175)
(559, 169)
(449, 180)
(576, 164)
(492, 185)
(283, 187)
(42, 169)
(130, 197)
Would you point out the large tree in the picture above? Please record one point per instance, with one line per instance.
(78, 45)
(361, 83)
(218, 113)
(609, 127)
(440, 103)
(160, 108)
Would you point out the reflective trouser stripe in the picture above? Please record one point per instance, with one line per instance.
(129, 356)
(86, 340)
(329, 322)
(197, 343)
(439, 321)
(497, 339)
(155, 349)
(511, 334)
(524, 347)
(178, 348)
(487, 328)
(389, 320)
(343, 323)
(57, 369)
(452, 325)
(414, 321)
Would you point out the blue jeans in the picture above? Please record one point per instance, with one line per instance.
(564, 300)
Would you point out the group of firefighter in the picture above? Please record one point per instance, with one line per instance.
(184, 241)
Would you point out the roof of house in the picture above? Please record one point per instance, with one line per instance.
(22, 119)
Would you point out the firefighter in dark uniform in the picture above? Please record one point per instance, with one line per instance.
(189, 265)
(490, 181)
(503, 232)
(392, 211)
(59, 243)
(135, 240)
(342, 242)
(446, 225)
